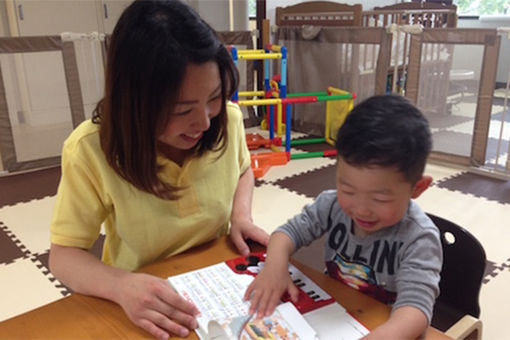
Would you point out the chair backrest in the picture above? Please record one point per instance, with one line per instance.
(319, 13)
(463, 268)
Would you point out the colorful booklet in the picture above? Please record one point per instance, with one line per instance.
(218, 292)
(285, 323)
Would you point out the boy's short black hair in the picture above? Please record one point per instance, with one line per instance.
(386, 131)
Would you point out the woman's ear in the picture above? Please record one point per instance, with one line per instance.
(421, 186)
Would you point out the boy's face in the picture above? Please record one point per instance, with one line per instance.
(375, 197)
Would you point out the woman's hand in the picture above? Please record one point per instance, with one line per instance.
(242, 230)
(149, 302)
(152, 304)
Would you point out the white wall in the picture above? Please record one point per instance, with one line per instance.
(504, 53)
(217, 13)
(367, 5)
(4, 28)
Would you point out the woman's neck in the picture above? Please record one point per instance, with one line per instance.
(177, 156)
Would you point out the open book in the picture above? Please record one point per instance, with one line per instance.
(285, 323)
(218, 291)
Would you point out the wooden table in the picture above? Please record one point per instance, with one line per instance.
(84, 317)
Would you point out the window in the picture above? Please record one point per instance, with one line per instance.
(252, 9)
(482, 7)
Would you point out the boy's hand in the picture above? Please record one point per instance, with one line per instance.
(268, 287)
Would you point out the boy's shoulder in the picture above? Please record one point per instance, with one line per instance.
(327, 204)
(417, 221)
(326, 197)
(327, 194)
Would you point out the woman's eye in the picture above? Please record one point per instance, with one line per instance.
(181, 113)
(215, 98)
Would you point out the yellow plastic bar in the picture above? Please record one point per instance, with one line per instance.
(256, 102)
(256, 56)
(251, 93)
(327, 134)
(250, 51)
(276, 48)
(274, 148)
(279, 123)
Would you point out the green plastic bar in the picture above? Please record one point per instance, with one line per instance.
(337, 97)
(306, 94)
(307, 141)
(307, 155)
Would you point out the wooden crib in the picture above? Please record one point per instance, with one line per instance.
(357, 61)
(333, 14)
(423, 67)
(436, 58)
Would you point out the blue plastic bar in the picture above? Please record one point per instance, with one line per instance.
(288, 122)
(283, 86)
(235, 96)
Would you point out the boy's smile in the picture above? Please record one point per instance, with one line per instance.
(375, 197)
(365, 224)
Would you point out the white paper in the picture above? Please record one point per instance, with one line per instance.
(216, 291)
(332, 322)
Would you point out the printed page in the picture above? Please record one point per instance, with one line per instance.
(286, 323)
(216, 291)
(332, 322)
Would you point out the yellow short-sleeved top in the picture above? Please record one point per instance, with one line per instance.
(140, 227)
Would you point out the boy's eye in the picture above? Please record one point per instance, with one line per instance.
(345, 192)
(382, 200)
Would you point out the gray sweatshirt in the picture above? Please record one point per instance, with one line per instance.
(399, 265)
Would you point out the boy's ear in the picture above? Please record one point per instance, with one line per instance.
(421, 186)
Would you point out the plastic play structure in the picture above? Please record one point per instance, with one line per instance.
(275, 97)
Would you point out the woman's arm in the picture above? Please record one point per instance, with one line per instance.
(148, 301)
(241, 219)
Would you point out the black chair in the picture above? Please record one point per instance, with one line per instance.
(457, 307)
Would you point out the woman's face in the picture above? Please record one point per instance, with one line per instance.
(199, 101)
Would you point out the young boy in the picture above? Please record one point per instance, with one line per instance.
(379, 241)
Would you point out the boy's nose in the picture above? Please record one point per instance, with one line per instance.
(362, 210)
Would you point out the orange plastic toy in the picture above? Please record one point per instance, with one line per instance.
(255, 141)
(262, 162)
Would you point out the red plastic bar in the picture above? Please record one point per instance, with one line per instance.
(299, 100)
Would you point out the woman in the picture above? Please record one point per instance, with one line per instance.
(163, 165)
